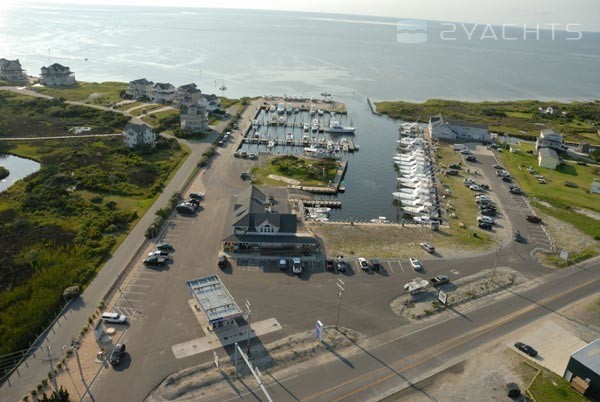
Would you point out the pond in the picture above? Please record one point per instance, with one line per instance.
(19, 168)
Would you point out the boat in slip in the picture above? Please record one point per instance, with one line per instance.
(312, 110)
(336, 128)
(271, 144)
(289, 138)
(282, 120)
(289, 109)
(280, 108)
(311, 150)
(315, 125)
(305, 139)
(320, 112)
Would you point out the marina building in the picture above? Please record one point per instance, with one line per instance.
(139, 135)
(547, 158)
(11, 71)
(550, 139)
(57, 76)
(262, 223)
(455, 130)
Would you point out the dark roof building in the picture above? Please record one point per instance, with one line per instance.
(11, 70)
(260, 221)
(583, 370)
(57, 75)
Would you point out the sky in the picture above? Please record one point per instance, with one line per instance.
(531, 12)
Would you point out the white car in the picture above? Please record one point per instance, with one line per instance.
(475, 187)
(158, 253)
(486, 219)
(416, 264)
(465, 151)
(296, 266)
(363, 264)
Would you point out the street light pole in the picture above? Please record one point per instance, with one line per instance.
(340, 285)
(495, 261)
(249, 329)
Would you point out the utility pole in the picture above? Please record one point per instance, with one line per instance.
(249, 329)
(341, 289)
(495, 261)
(50, 360)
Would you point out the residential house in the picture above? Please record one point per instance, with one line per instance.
(57, 76)
(139, 135)
(550, 139)
(11, 70)
(583, 370)
(454, 130)
(547, 158)
(595, 186)
(140, 89)
(212, 103)
(187, 95)
(263, 223)
(163, 92)
(193, 119)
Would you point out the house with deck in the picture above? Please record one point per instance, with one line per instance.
(163, 92)
(455, 130)
(550, 139)
(263, 223)
(193, 119)
(212, 103)
(187, 95)
(139, 135)
(57, 76)
(140, 89)
(11, 71)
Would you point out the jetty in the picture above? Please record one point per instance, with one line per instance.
(373, 109)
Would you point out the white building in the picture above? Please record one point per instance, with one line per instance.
(595, 186)
(550, 139)
(57, 75)
(193, 119)
(163, 92)
(140, 89)
(454, 130)
(139, 135)
(11, 70)
(547, 158)
(211, 103)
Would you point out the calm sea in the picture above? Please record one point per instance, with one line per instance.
(262, 52)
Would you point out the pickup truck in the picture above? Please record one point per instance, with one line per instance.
(417, 285)
(439, 280)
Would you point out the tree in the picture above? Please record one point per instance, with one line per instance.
(61, 396)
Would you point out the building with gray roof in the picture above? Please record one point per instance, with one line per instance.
(57, 75)
(215, 301)
(455, 130)
(583, 370)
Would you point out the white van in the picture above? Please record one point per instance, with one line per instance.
(114, 318)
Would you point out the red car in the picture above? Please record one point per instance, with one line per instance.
(534, 219)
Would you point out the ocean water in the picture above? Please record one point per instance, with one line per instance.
(267, 52)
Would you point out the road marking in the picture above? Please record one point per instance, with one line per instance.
(466, 338)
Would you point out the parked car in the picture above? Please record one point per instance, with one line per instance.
(471, 158)
(516, 190)
(244, 155)
(244, 175)
(283, 263)
(415, 263)
(440, 280)
(117, 354)
(185, 209)
(465, 151)
(236, 154)
(534, 219)
(330, 264)
(375, 264)
(154, 261)
(221, 143)
(507, 179)
(475, 187)
(341, 264)
(114, 318)
(363, 264)
(484, 225)
(497, 166)
(158, 253)
(452, 172)
(488, 212)
(222, 261)
(252, 156)
(197, 196)
(296, 266)
(523, 347)
(165, 247)
(486, 219)
(427, 247)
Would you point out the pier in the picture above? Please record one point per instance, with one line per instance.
(373, 110)
(317, 203)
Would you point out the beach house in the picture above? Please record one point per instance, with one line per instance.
(57, 76)
(163, 92)
(550, 139)
(139, 135)
(140, 89)
(11, 71)
(547, 158)
(187, 95)
(193, 119)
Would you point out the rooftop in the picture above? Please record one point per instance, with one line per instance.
(214, 298)
(589, 356)
(548, 153)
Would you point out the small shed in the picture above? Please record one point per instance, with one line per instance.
(595, 186)
(547, 158)
(583, 370)
(215, 301)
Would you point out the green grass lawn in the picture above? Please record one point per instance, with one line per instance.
(549, 387)
(103, 93)
(129, 106)
(302, 169)
(146, 110)
(555, 192)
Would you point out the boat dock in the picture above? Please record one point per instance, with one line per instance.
(315, 190)
(352, 147)
(317, 203)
